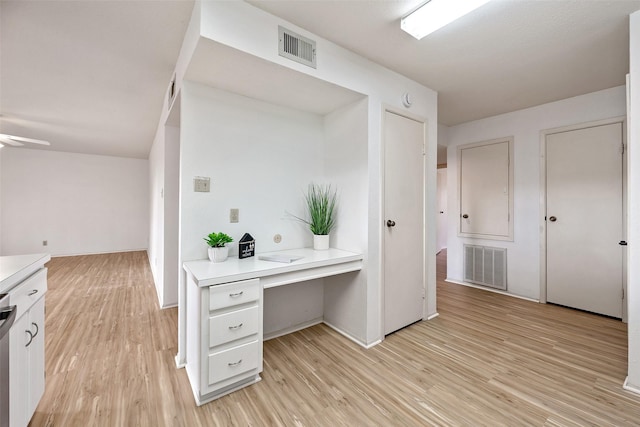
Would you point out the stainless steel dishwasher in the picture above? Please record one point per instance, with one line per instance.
(7, 316)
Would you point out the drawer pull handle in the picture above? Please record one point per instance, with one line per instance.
(30, 338)
(235, 363)
(237, 294)
(236, 327)
(33, 292)
(37, 329)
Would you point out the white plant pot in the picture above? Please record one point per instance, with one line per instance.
(320, 242)
(218, 254)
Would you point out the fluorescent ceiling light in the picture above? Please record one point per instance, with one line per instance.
(9, 141)
(436, 14)
(18, 140)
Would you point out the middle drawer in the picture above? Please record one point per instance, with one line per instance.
(234, 325)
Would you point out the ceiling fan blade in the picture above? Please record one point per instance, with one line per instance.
(10, 142)
(30, 140)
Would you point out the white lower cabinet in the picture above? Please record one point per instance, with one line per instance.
(224, 337)
(26, 350)
(19, 373)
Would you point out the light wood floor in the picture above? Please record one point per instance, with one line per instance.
(487, 360)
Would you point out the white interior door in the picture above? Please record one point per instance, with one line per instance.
(404, 221)
(584, 219)
(441, 238)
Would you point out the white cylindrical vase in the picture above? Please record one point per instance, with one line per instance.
(320, 242)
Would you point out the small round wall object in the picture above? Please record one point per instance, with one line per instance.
(406, 99)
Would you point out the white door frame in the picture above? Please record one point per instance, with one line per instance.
(543, 199)
(382, 225)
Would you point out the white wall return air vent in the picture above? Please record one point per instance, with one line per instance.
(486, 266)
(295, 47)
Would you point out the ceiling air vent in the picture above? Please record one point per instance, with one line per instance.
(296, 47)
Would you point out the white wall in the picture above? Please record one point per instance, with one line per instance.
(0, 152)
(633, 251)
(250, 31)
(1, 253)
(164, 160)
(171, 197)
(260, 159)
(164, 181)
(156, 212)
(523, 254)
(346, 166)
(79, 203)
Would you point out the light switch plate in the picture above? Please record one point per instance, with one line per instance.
(234, 215)
(201, 184)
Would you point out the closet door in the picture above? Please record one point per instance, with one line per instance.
(584, 219)
(404, 227)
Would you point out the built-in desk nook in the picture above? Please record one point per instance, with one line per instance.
(224, 312)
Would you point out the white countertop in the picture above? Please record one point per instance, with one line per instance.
(323, 263)
(14, 269)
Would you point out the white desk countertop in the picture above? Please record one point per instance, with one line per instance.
(15, 268)
(313, 264)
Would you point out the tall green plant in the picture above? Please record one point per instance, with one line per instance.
(321, 205)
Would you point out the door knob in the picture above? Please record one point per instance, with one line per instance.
(391, 223)
(465, 216)
(552, 218)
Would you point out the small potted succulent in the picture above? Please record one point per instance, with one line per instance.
(218, 249)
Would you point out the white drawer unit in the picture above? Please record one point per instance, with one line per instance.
(232, 294)
(224, 341)
(234, 325)
(220, 323)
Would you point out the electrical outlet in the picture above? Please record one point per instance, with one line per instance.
(45, 243)
(277, 238)
(234, 215)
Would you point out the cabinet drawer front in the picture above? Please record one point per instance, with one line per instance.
(221, 296)
(233, 362)
(234, 325)
(29, 291)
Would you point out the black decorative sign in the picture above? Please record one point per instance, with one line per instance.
(246, 246)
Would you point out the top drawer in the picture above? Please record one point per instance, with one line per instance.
(29, 291)
(236, 293)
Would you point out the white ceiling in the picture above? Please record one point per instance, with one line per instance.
(90, 76)
(505, 56)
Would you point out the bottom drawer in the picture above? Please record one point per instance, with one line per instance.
(233, 362)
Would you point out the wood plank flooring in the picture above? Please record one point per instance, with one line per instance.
(487, 360)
